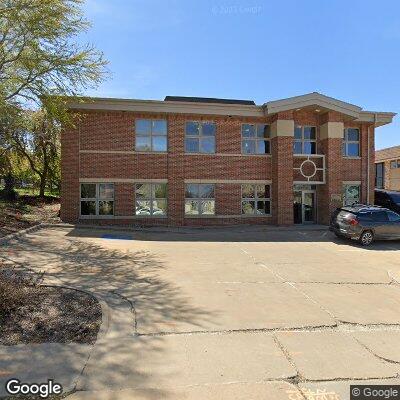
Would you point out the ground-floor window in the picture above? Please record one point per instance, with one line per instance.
(256, 199)
(199, 199)
(97, 199)
(351, 194)
(379, 175)
(151, 199)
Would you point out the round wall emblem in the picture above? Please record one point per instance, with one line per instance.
(308, 169)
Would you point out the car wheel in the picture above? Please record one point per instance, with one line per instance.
(366, 238)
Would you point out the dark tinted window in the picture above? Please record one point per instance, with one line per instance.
(380, 216)
(393, 216)
(395, 197)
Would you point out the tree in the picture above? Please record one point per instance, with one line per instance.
(37, 139)
(41, 62)
(38, 53)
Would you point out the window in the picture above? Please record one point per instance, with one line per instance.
(379, 175)
(351, 194)
(199, 199)
(351, 142)
(256, 199)
(97, 199)
(393, 217)
(305, 140)
(380, 216)
(395, 164)
(151, 199)
(200, 137)
(256, 139)
(151, 135)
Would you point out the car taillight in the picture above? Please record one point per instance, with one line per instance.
(353, 221)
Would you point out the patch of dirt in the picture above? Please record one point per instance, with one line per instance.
(27, 211)
(52, 315)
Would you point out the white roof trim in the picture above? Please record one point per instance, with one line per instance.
(312, 99)
(179, 107)
(182, 107)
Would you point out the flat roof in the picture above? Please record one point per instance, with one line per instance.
(389, 153)
(209, 100)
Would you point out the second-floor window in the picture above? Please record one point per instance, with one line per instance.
(305, 140)
(256, 139)
(151, 135)
(200, 137)
(351, 142)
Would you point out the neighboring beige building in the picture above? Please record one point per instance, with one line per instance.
(387, 164)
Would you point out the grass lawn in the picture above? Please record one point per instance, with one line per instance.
(27, 211)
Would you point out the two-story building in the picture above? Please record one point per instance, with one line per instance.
(387, 164)
(204, 161)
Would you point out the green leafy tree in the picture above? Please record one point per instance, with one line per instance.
(39, 53)
(42, 63)
(37, 139)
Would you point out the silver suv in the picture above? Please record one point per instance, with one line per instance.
(365, 223)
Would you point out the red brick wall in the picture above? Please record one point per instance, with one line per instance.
(106, 141)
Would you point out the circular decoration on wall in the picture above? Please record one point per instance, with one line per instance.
(308, 169)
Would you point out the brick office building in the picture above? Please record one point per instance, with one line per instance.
(387, 163)
(198, 161)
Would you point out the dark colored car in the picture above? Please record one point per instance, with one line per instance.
(387, 199)
(365, 223)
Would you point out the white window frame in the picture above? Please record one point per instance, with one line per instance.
(394, 164)
(346, 142)
(96, 199)
(255, 199)
(199, 200)
(303, 140)
(255, 139)
(151, 135)
(152, 198)
(344, 192)
(200, 136)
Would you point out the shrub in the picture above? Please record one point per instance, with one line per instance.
(9, 193)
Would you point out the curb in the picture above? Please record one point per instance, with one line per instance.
(18, 234)
(180, 230)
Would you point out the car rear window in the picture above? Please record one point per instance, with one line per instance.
(345, 215)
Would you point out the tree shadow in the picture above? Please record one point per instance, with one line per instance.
(124, 280)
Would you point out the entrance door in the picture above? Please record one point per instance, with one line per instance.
(308, 207)
(304, 207)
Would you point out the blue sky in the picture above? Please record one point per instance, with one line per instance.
(259, 50)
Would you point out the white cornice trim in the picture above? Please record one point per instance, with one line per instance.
(175, 107)
(240, 110)
(312, 99)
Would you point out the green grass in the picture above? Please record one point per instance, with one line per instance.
(34, 192)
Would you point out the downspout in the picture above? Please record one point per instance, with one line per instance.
(368, 162)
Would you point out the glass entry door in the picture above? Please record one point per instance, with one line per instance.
(304, 207)
(308, 207)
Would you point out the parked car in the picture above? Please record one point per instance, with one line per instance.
(388, 199)
(365, 223)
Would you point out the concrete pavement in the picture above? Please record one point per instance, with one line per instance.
(227, 313)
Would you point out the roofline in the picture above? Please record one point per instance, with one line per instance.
(160, 106)
(182, 107)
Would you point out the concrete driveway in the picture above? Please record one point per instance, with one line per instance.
(229, 313)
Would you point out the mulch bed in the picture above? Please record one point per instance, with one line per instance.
(52, 314)
(27, 211)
